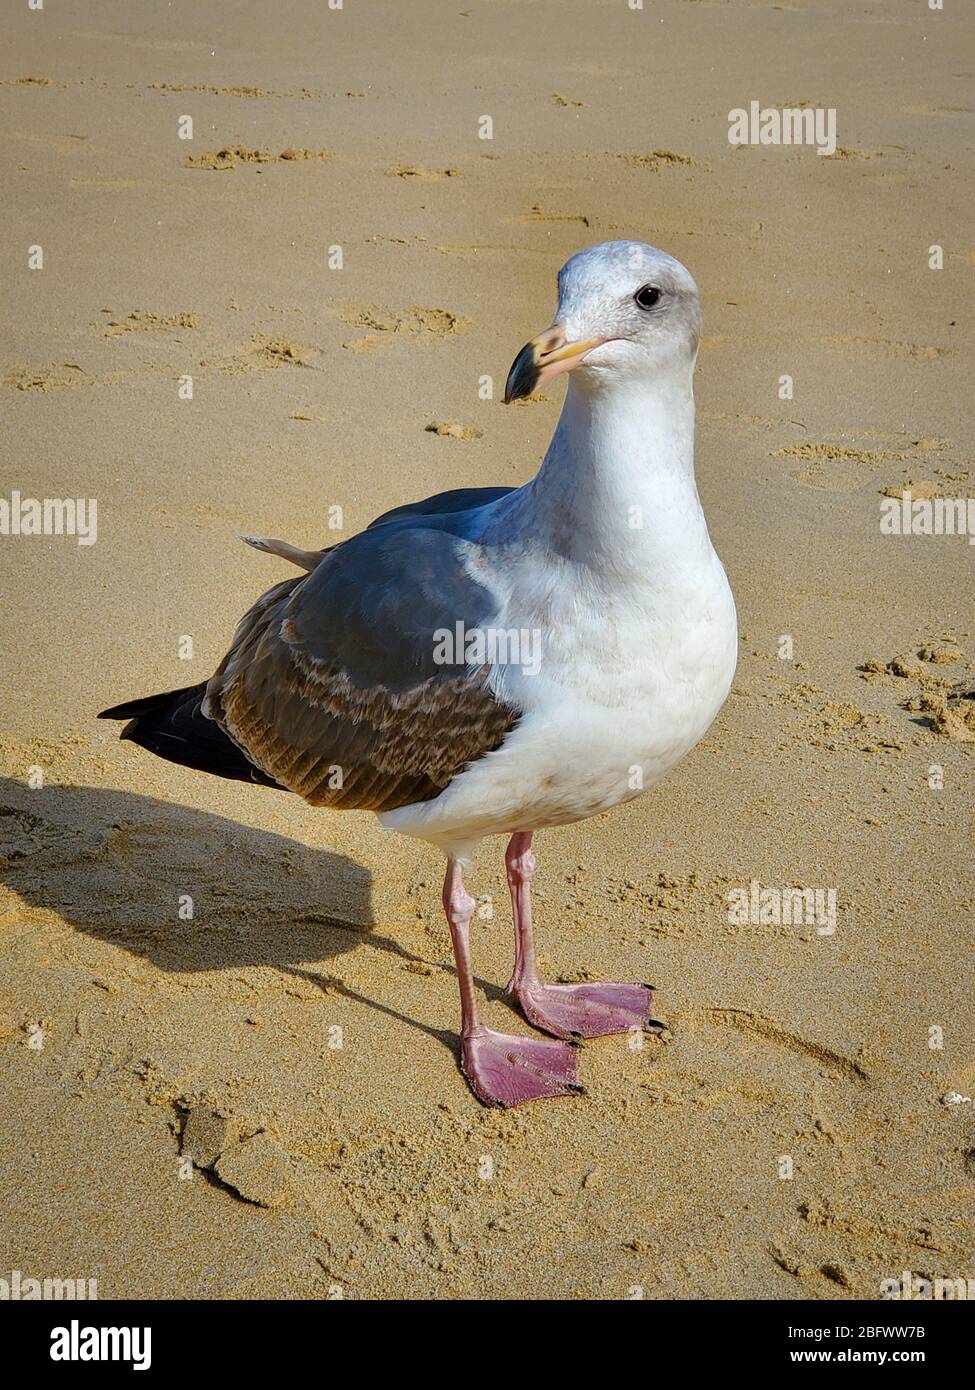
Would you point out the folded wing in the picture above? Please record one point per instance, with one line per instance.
(335, 685)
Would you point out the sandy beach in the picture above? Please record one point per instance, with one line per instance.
(282, 326)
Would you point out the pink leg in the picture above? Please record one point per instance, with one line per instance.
(502, 1069)
(567, 1011)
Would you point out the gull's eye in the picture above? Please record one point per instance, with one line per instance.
(647, 296)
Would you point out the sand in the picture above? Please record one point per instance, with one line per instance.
(301, 1025)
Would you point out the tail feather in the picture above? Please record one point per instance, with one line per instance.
(173, 726)
(304, 559)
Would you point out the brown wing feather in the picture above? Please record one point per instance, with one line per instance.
(304, 722)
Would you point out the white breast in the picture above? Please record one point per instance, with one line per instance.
(627, 684)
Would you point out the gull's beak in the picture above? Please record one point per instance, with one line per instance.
(541, 359)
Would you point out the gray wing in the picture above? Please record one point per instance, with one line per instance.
(459, 499)
(331, 685)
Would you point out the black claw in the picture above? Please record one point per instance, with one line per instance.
(576, 1088)
(655, 1023)
(646, 986)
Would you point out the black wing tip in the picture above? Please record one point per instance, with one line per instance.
(116, 712)
(150, 704)
(131, 709)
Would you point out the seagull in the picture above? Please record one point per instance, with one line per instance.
(496, 661)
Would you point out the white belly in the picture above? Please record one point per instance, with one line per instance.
(618, 699)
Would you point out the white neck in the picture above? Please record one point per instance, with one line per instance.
(616, 490)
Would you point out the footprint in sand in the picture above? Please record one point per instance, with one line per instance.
(212, 91)
(61, 376)
(832, 467)
(822, 1246)
(415, 322)
(264, 352)
(768, 1030)
(144, 321)
(23, 835)
(536, 215)
(417, 171)
(662, 159)
(882, 347)
(232, 156)
(451, 429)
(829, 453)
(947, 706)
(20, 834)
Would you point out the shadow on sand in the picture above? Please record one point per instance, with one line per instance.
(116, 865)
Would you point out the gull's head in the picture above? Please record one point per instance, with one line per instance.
(627, 313)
